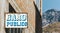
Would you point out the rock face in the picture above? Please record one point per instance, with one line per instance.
(51, 16)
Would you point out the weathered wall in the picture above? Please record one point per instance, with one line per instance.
(25, 6)
(28, 7)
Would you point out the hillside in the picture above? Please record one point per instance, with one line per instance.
(55, 27)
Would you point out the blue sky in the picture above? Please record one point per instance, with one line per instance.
(50, 4)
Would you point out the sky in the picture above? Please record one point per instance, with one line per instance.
(50, 4)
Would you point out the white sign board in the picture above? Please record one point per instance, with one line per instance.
(13, 20)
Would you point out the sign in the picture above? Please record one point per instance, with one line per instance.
(16, 20)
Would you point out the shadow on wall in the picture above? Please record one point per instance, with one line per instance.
(38, 28)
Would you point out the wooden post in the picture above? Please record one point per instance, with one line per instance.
(3, 9)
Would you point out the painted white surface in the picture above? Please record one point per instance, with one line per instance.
(3, 8)
(38, 4)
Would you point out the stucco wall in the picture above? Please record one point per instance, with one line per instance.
(25, 6)
(28, 7)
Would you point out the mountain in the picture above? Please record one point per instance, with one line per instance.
(50, 16)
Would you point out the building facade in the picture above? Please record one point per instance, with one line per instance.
(19, 6)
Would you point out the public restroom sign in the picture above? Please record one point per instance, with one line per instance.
(16, 20)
